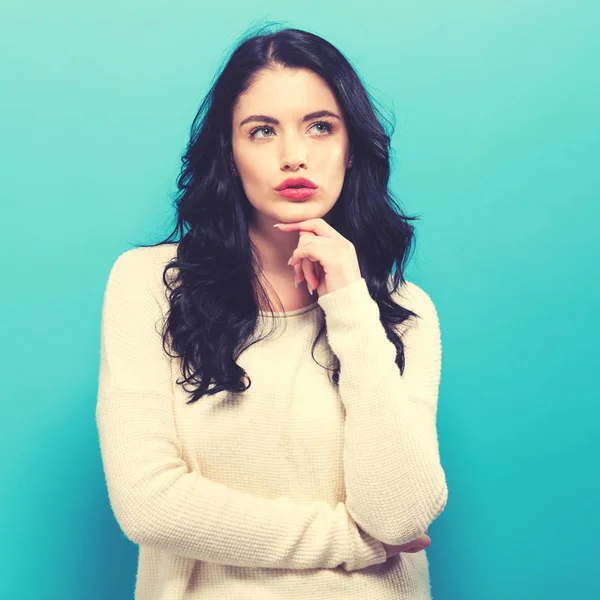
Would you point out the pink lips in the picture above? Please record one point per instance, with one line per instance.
(297, 188)
(297, 193)
(297, 182)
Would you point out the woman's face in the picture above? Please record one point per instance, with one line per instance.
(265, 152)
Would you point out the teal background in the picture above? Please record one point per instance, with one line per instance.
(496, 145)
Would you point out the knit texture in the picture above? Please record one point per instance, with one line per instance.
(287, 490)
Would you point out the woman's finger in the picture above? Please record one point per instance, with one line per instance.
(420, 544)
(417, 545)
(308, 267)
(299, 277)
(308, 271)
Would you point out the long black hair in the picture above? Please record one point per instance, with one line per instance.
(216, 291)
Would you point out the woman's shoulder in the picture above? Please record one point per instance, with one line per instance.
(410, 295)
(148, 255)
(413, 297)
(143, 265)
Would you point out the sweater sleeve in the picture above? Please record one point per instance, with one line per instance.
(157, 501)
(395, 484)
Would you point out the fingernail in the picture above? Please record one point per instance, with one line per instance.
(295, 282)
(309, 288)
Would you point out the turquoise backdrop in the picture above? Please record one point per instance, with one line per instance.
(497, 148)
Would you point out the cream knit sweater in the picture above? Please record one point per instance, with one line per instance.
(284, 492)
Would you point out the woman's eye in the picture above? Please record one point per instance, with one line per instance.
(327, 126)
(255, 131)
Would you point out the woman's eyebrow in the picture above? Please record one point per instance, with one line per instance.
(308, 117)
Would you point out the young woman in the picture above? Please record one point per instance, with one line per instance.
(243, 465)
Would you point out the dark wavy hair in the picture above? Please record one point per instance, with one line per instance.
(216, 292)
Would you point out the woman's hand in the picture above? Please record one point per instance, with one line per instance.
(324, 258)
(415, 546)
